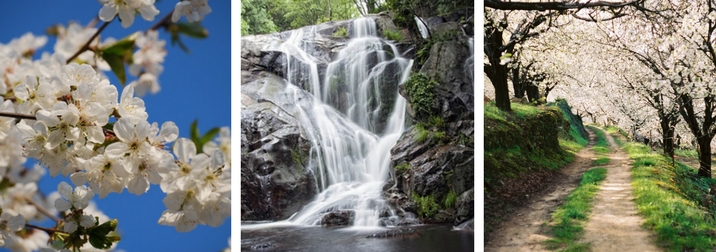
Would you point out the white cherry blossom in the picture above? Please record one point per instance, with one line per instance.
(77, 199)
(193, 10)
(126, 10)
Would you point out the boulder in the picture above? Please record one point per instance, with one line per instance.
(465, 206)
(338, 218)
(446, 65)
(274, 180)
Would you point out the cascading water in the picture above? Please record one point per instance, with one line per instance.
(354, 118)
(421, 27)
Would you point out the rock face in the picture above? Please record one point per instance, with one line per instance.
(434, 160)
(274, 180)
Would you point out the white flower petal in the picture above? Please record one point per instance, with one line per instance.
(107, 13)
(184, 149)
(15, 223)
(62, 205)
(70, 227)
(116, 150)
(87, 221)
(65, 190)
(169, 132)
(138, 185)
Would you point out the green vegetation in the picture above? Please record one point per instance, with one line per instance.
(405, 9)
(601, 161)
(686, 153)
(566, 225)
(426, 132)
(523, 111)
(393, 35)
(450, 199)
(614, 130)
(520, 141)
(341, 32)
(255, 19)
(427, 205)
(673, 200)
(260, 17)
(601, 148)
(421, 90)
(402, 167)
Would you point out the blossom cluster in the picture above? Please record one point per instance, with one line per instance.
(75, 123)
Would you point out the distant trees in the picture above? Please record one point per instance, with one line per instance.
(504, 31)
(259, 17)
(255, 18)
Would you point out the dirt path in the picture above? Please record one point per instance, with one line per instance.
(522, 231)
(614, 224)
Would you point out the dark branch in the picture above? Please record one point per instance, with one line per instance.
(541, 6)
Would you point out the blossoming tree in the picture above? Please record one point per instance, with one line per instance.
(61, 110)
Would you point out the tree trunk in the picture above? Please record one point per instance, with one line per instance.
(667, 134)
(533, 93)
(496, 72)
(502, 93)
(517, 83)
(370, 4)
(704, 156)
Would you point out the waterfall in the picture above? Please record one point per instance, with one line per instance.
(353, 119)
(421, 27)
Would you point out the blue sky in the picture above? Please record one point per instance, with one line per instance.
(194, 86)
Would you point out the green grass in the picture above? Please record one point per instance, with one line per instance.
(522, 110)
(601, 161)
(601, 147)
(450, 199)
(672, 201)
(566, 225)
(518, 109)
(686, 153)
(508, 156)
(393, 35)
(427, 205)
(613, 130)
(341, 32)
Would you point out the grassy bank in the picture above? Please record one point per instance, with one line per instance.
(520, 141)
(566, 226)
(523, 151)
(673, 201)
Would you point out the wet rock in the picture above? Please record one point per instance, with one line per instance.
(465, 206)
(443, 162)
(263, 246)
(393, 233)
(274, 180)
(338, 218)
(454, 94)
(468, 225)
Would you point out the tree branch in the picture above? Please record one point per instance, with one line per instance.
(18, 116)
(86, 46)
(541, 6)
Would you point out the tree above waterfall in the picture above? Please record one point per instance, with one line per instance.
(260, 17)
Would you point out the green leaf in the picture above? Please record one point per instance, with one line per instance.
(209, 135)
(121, 47)
(117, 64)
(194, 131)
(103, 236)
(194, 30)
(177, 40)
